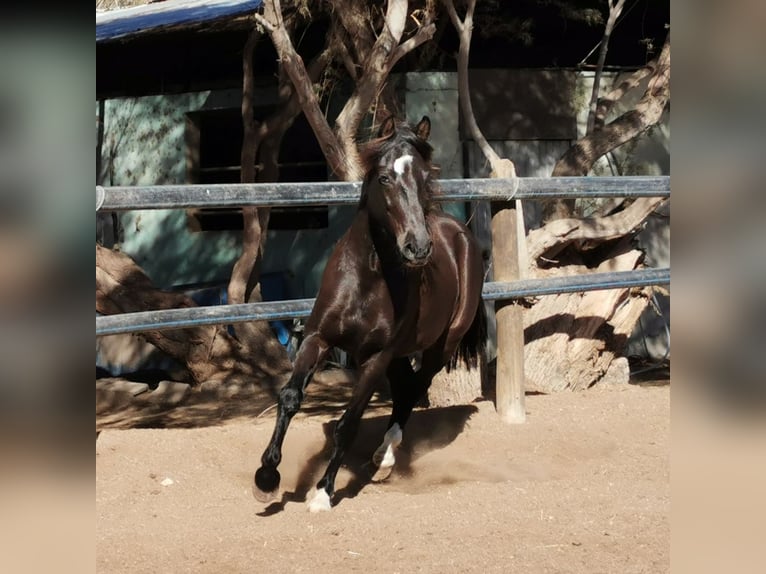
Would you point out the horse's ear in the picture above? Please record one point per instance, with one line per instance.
(423, 129)
(387, 127)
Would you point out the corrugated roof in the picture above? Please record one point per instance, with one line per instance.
(153, 17)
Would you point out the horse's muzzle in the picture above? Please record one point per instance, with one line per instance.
(417, 255)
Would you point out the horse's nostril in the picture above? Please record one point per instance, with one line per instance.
(416, 252)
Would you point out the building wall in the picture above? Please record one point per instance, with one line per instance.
(145, 144)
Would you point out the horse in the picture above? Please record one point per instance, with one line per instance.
(402, 286)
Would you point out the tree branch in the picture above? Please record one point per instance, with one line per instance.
(423, 35)
(351, 21)
(352, 68)
(561, 232)
(501, 168)
(254, 220)
(264, 138)
(606, 103)
(615, 9)
(374, 73)
(292, 63)
(579, 159)
(452, 12)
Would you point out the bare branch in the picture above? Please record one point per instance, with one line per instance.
(423, 35)
(465, 30)
(606, 103)
(268, 26)
(293, 64)
(250, 143)
(353, 33)
(456, 21)
(267, 136)
(352, 68)
(556, 235)
(374, 73)
(615, 9)
(579, 159)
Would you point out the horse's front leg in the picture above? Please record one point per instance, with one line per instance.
(310, 355)
(370, 373)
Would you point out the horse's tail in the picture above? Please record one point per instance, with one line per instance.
(471, 348)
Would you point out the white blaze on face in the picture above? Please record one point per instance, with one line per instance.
(401, 163)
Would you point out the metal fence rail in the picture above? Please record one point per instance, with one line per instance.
(120, 198)
(168, 319)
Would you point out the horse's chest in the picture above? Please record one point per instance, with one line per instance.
(405, 311)
(427, 313)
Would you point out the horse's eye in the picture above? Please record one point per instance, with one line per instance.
(384, 180)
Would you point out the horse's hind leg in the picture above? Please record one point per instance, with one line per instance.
(407, 388)
(401, 381)
(370, 373)
(310, 355)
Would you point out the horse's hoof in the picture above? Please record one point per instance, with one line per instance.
(318, 501)
(267, 478)
(383, 458)
(266, 484)
(264, 496)
(381, 473)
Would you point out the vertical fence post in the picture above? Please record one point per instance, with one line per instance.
(507, 233)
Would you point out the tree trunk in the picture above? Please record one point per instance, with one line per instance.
(459, 385)
(368, 58)
(563, 208)
(244, 284)
(209, 353)
(574, 341)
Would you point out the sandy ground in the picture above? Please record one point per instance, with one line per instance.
(583, 486)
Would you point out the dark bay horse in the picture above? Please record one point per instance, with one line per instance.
(404, 281)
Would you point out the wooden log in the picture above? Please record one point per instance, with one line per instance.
(460, 386)
(575, 340)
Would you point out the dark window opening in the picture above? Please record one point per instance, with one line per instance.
(214, 146)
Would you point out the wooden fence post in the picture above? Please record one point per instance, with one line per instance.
(508, 262)
(509, 379)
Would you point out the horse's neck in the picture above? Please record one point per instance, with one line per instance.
(387, 264)
(384, 248)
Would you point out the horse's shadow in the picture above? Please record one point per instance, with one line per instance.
(427, 430)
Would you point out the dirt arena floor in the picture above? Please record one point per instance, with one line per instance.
(582, 487)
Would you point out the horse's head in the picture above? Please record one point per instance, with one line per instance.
(397, 190)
